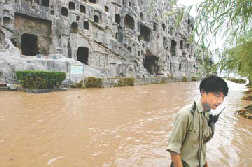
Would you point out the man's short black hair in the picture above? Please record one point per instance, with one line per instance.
(213, 83)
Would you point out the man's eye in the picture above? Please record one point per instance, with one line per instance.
(218, 94)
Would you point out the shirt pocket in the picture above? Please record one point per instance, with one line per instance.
(193, 137)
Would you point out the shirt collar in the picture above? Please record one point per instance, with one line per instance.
(199, 106)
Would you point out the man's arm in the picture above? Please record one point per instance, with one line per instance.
(206, 165)
(176, 159)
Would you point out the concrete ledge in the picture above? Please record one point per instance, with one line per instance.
(4, 88)
(44, 90)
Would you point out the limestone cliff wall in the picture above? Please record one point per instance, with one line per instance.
(117, 37)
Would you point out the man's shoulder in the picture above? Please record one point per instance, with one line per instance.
(186, 110)
(185, 113)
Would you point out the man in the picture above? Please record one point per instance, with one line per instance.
(194, 126)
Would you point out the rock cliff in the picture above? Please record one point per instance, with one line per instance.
(114, 38)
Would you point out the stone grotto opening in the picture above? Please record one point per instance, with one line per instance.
(145, 33)
(151, 63)
(29, 44)
(83, 54)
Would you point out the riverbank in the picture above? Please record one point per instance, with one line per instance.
(44, 90)
(117, 82)
(246, 112)
(93, 82)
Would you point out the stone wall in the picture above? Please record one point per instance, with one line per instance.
(2, 39)
(37, 27)
(117, 37)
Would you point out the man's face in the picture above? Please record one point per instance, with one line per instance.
(212, 99)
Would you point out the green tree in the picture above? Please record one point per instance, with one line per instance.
(205, 60)
(239, 58)
(233, 18)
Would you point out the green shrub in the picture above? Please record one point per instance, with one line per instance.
(240, 81)
(40, 79)
(126, 81)
(184, 79)
(194, 79)
(77, 85)
(171, 76)
(93, 82)
(163, 80)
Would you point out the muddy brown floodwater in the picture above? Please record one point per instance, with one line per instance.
(115, 127)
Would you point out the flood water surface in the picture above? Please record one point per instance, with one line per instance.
(115, 127)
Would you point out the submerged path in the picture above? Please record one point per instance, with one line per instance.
(115, 127)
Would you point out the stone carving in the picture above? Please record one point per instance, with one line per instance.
(116, 37)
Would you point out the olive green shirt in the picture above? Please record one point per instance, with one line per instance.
(190, 134)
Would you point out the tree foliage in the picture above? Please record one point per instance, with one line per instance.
(205, 59)
(234, 20)
(233, 17)
(239, 58)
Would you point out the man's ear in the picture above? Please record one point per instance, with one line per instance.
(202, 92)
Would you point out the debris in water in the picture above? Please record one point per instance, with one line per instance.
(246, 112)
(54, 159)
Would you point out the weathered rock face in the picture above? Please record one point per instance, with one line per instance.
(114, 37)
